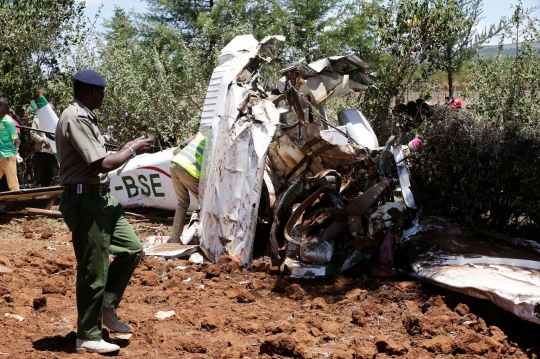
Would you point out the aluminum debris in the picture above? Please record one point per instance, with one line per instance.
(170, 250)
(232, 174)
(443, 254)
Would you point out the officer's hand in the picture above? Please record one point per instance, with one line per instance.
(46, 143)
(141, 144)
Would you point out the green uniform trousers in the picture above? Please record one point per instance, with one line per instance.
(99, 227)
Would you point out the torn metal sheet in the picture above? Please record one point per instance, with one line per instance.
(232, 60)
(230, 206)
(329, 77)
(403, 174)
(357, 208)
(358, 127)
(300, 269)
(171, 250)
(288, 160)
(302, 149)
(388, 216)
(442, 254)
(282, 202)
(238, 126)
(165, 314)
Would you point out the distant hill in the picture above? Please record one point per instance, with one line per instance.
(508, 50)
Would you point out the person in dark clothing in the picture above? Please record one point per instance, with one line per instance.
(45, 163)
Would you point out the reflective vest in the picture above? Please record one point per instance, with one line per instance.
(190, 158)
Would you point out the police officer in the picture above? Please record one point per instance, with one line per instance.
(185, 175)
(95, 218)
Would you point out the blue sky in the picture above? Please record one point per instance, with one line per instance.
(493, 9)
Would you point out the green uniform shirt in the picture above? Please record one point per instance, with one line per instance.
(79, 143)
(8, 133)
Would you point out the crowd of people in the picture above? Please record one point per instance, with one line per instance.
(11, 162)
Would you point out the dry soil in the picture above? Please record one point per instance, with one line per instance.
(225, 311)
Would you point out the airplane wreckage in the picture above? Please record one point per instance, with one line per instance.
(331, 199)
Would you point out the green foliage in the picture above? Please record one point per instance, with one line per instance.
(405, 33)
(314, 28)
(120, 27)
(466, 164)
(151, 90)
(456, 30)
(36, 35)
(36, 42)
(508, 88)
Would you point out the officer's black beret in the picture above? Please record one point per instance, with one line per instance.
(90, 77)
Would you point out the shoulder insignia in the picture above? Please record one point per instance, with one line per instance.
(82, 113)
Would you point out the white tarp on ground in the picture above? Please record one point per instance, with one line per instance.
(509, 277)
(146, 181)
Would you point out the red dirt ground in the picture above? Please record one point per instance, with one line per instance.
(224, 311)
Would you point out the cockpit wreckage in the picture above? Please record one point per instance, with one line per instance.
(309, 182)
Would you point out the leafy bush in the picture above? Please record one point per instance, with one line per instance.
(468, 164)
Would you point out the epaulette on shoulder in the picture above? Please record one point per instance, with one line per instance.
(82, 113)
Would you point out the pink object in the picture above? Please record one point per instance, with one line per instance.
(386, 252)
(415, 143)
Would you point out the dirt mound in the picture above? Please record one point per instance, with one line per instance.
(225, 311)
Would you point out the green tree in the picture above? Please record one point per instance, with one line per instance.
(149, 88)
(459, 39)
(121, 27)
(36, 36)
(508, 88)
(180, 14)
(314, 28)
(404, 34)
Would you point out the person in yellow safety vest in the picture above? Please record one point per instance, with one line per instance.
(185, 175)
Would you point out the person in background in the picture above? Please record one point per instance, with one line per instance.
(9, 144)
(97, 221)
(44, 161)
(18, 122)
(185, 175)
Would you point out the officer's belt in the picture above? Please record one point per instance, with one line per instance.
(80, 188)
